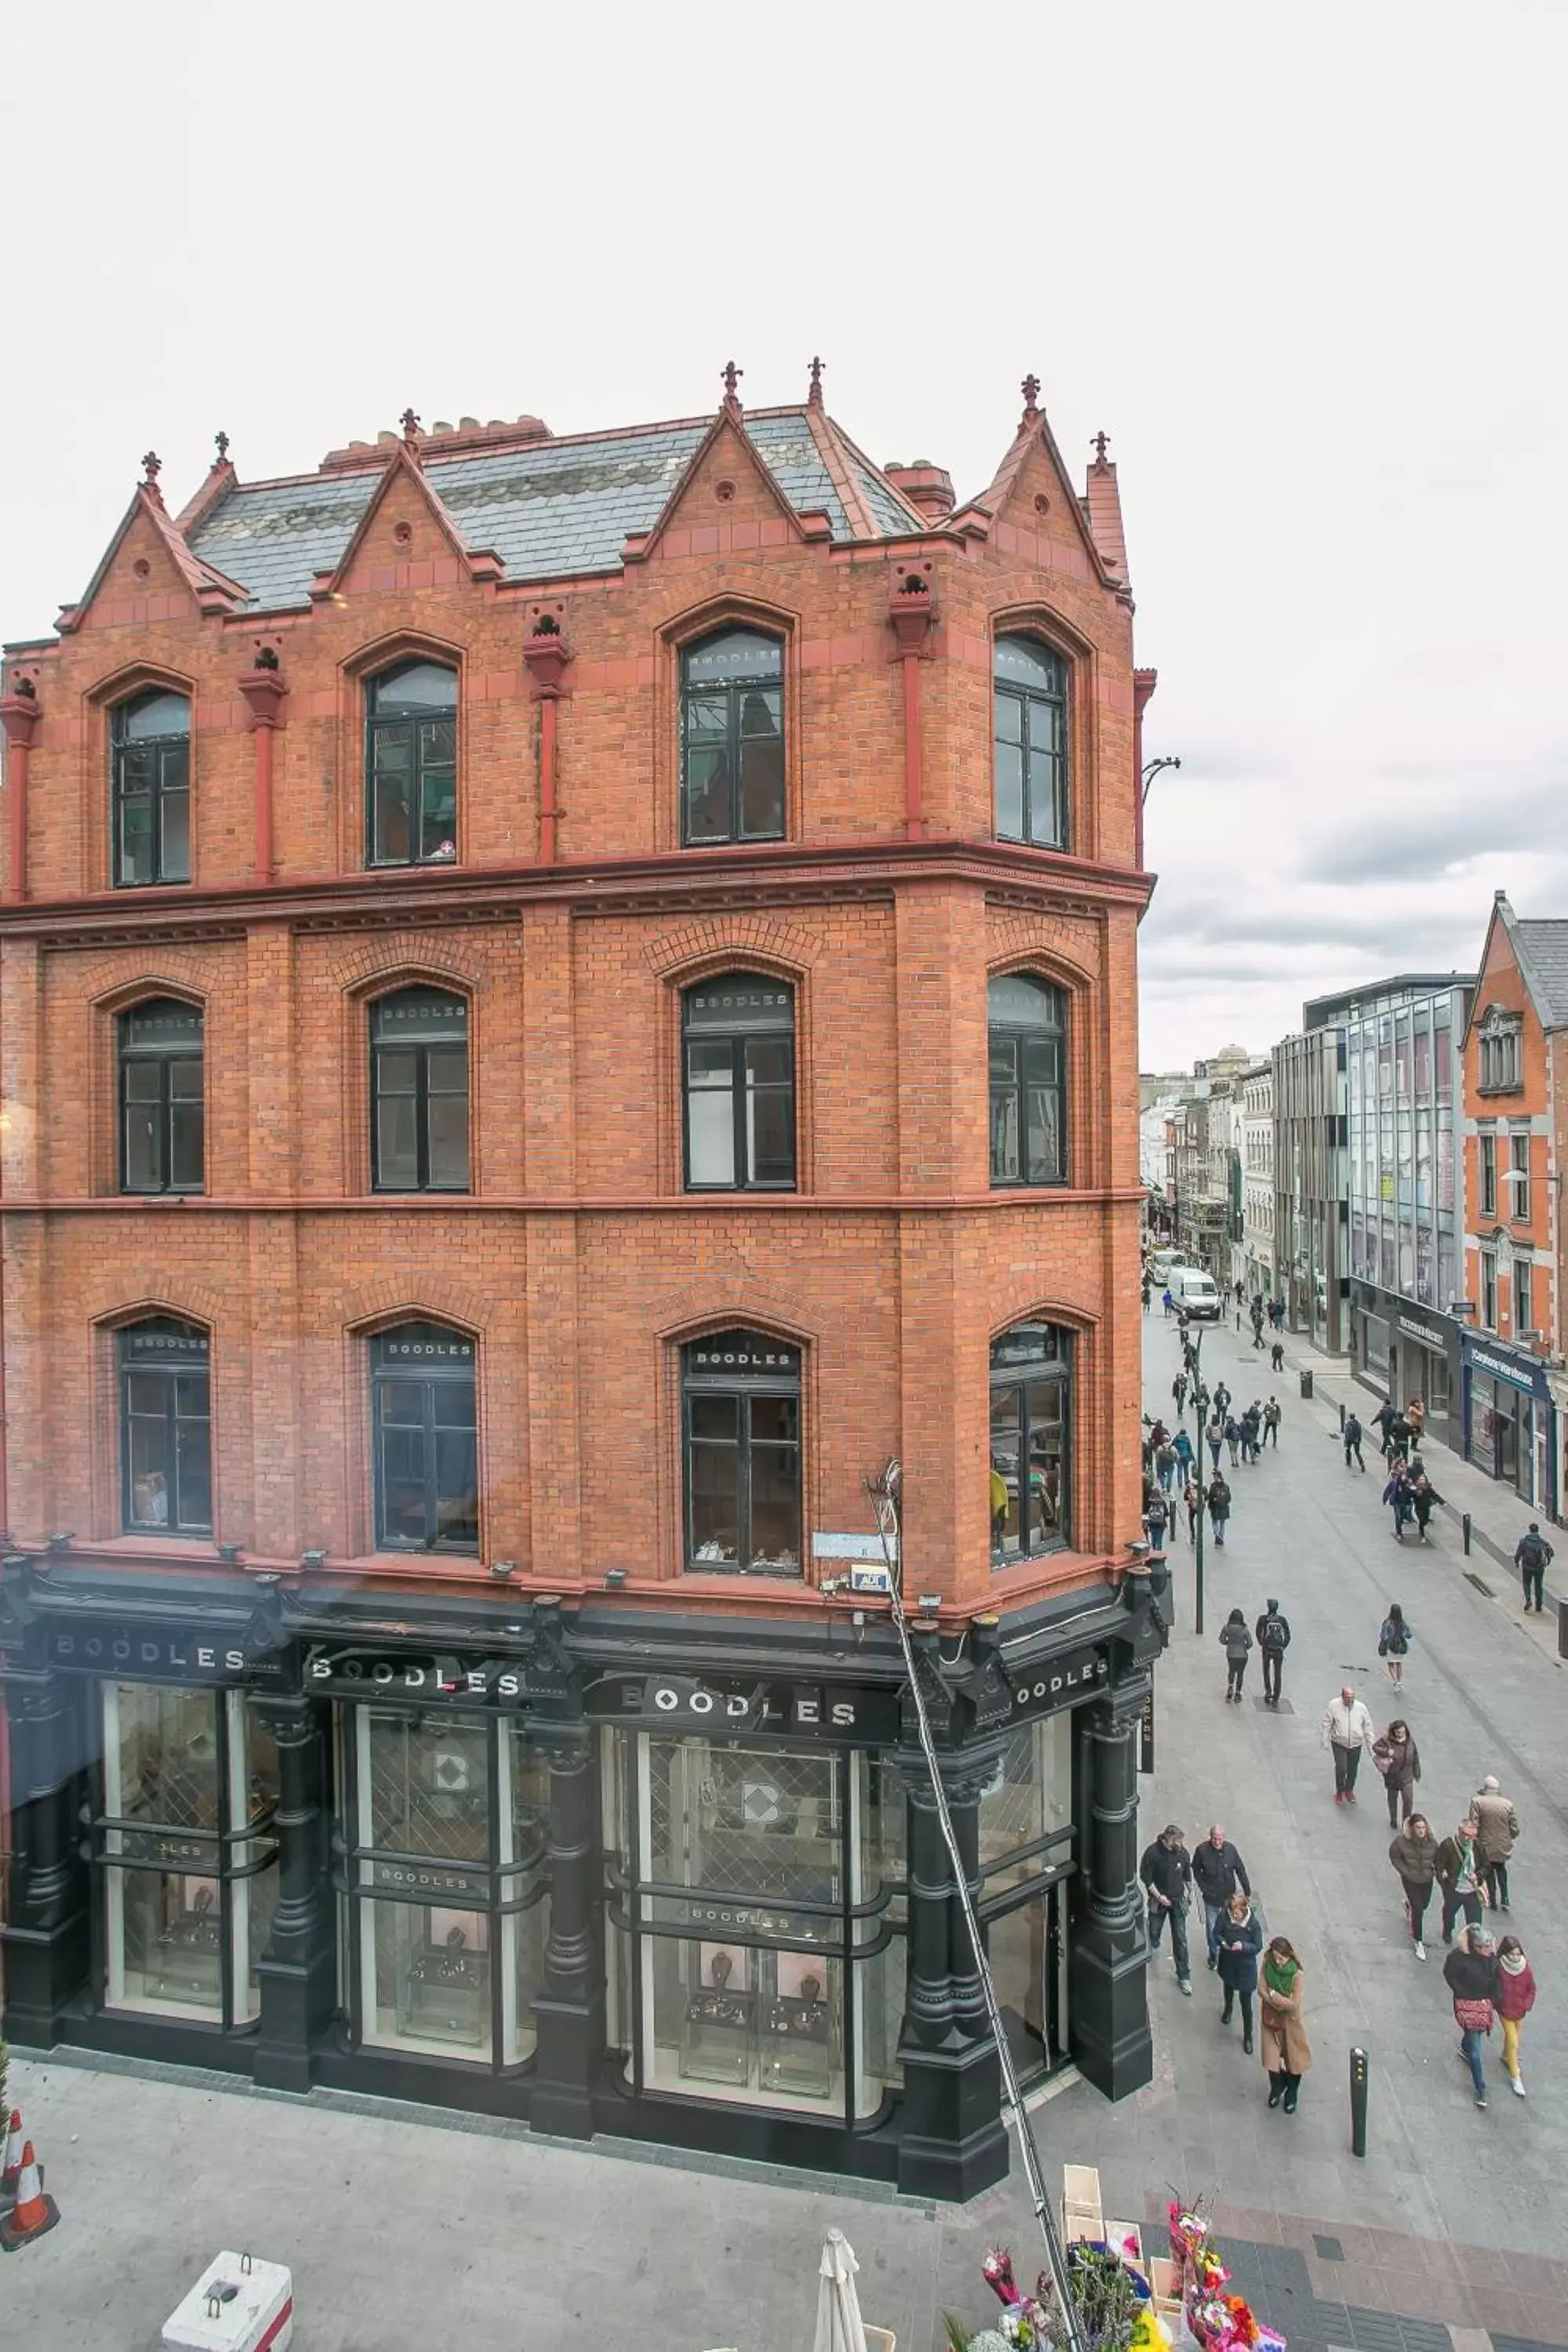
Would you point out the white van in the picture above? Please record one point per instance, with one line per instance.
(1162, 1264)
(1193, 1293)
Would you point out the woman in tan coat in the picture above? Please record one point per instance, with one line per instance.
(1287, 2053)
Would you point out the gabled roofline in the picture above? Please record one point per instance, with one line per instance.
(993, 496)
(404, 466)
(730, 414)
(198, 574)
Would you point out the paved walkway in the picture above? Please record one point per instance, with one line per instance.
(406, 2231)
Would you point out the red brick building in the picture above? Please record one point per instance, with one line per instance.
(504, 940)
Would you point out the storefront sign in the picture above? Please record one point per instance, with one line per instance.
(1057, 1682)
(1146, 1733)
(428, 1881)
(812, 1710)
(362, 1674)
(175, 1852)
(134, 1655)
(1422, 1331)
(1516, 1375)
(725, 1918)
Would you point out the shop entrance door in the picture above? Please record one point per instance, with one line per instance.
(1025, 1946)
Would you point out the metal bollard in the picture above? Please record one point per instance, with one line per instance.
(1342, 1421)
(1465, 1532)
(1359, 2072)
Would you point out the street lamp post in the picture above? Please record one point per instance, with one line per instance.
(1197, 1349)
(1151, 768)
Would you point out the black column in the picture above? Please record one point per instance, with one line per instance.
(952, 2143)
(46, 1936)
(298, 1967)
(570, 2013)
(1108, 2011)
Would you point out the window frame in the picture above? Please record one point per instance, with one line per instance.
(779, 1374)
(1488, 1298)
(1019, 1376)
(1523, 1298)
(740, 1037)
(382, 1373)
(192, 1362)
(162, 749)
(1486, 1173)
(377, 729)
(689, 691)
(421, 1048)
(1057, 752)
(129, 1056)
(1519, 1168)
(1017, 1088)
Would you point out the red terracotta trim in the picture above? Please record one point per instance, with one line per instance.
(582, 1204)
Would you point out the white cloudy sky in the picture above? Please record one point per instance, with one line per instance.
(1305, 265)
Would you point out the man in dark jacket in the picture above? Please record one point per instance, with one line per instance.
(1272, 1634)
(1351, 1436)
(1217, 1871)
(1166, 1872)
(1533, 1558)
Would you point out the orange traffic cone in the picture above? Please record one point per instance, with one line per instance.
(33, 2213)
(13, 2158)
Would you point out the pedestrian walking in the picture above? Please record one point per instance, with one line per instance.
(1398, 1759)
(1221, 1399)
(1156, 1513)
(1532, 1557)
(1382, 1420)
(1147, 1294)
(1287, 2053)
(1397, 1494)
(1352, 1436)
(1166, 1464)
(1252, 1433)
(1168, 1303)
(1424, 1499)
(1214, 1437)
(1414, 1853)
(1179, 1391)
(1192, 1503)
(1346, 1731)
(1240, 1947)
(1515, 1999)
(1218, 1501)
(1394, 1643)
(1458, 1875)
(1470, 1973)
(1218, 1873)
(1271, 1414)
(1273, 1631)
(1166, 1873)
(1497, 1827)
(1233, 1439)
(1236, 1643)
(1277, 1356)
(1183, 1445)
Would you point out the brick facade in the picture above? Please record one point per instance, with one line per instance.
(577, 1259)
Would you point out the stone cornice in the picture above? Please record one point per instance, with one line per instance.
(676, 881)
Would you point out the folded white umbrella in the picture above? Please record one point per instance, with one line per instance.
(839, 2328)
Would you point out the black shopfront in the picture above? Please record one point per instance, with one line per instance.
(1403, 1352)
(677, 1878)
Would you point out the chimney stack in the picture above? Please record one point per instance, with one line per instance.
(926, 486)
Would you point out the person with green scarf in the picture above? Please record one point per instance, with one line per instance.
(1287, 2053)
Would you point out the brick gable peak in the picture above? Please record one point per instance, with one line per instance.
(163, 550)
(711, 483)
(1539, 949)
(403, 471)
(1033, 470)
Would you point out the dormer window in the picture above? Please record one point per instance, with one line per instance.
(1499, 1065)
(150, 769)
(731, 739)
(1030, 703)
(411, 765)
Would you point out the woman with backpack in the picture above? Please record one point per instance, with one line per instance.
(1392, 1642)
(1156, 1513)
(1236, 1643)
(1470, 1973)
(1396, 1758)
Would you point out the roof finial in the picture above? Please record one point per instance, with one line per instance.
(815, 396)
(152, 466)
(220, 441)
(1031, 391)
(410, 423)
(731, 375)
(1101, 444)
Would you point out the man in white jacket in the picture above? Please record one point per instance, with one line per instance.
(1347, 1729)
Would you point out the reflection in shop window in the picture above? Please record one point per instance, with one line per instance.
(1031, 1372)
(190, 1788)
(451, 1880)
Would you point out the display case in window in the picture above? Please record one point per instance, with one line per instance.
(445, 1979)
(185, 1964)
(797, 2052)
(719, 2030)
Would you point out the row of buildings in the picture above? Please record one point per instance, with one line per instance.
(500, 938)
(1393, 1174)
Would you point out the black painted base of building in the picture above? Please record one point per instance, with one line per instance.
(669, 1877)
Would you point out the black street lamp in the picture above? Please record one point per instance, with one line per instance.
(1193, 1346)
(1151, 768)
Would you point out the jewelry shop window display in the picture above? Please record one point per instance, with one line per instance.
(186, 1850)
(756, 1889)
(1025, 1843)
(447, 1876)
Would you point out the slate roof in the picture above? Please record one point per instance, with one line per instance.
(551, 509)
(1542, 949)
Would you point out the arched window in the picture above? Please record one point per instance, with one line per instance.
(161, 1106)
(1031, 1475)
(1030, 697)
(411, 765)
(420, 1091)
(166, 1428)
(1028, 1084)
(150, 772)
(741, 1391)
(740, 1084)
(426, 1439)
(731, 739)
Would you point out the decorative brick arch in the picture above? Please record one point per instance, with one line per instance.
(730, 937)
(376, 1304)
(1070, 948)
(137, 677)
(107, 988)
(424, 955)
(401, 645)
(697, 1313)
(161, 1291)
